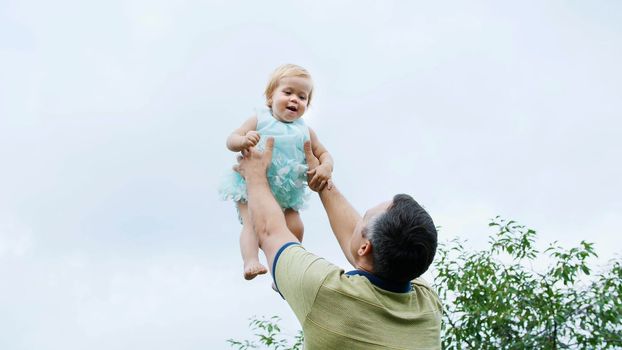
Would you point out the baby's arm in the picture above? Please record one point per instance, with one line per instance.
(323, 173)
(244, 137)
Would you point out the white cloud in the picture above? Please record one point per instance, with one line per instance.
(16, 240)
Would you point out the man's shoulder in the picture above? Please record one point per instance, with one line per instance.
(419, 282)
(299, 275)
(297, 253)
(425, 291)
(294, 262)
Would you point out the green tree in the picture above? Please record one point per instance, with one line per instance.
(268, 334)
(495, 299)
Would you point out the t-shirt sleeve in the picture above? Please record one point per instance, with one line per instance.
(299, 275)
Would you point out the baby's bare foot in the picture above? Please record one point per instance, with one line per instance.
(252, 269)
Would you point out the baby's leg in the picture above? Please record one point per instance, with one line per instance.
(249, 246)
(294, 223)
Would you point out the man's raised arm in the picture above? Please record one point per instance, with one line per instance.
(342, 216)
(266, 214)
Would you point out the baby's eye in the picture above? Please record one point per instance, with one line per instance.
(287, 92)
(302, 97)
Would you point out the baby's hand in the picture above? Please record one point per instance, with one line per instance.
(321, 177)
(251, 139)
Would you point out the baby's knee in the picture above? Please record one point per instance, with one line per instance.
(295, 225)
(298, 229)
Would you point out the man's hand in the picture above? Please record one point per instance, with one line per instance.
(318, 176)
(251, 139)
(253, 162)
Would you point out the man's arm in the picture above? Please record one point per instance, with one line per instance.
(341, 215)
(266, 214)
(343, 218)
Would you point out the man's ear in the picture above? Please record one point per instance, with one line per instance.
(365, 249)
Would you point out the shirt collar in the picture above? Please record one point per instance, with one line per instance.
(396, 287)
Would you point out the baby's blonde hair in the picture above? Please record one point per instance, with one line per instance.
(284, 71)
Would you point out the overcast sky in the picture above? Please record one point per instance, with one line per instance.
(114, 115)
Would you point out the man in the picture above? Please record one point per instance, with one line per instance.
(382, 304)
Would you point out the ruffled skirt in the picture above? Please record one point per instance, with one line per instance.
(287, 179)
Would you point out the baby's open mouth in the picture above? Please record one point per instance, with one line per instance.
(292, 108)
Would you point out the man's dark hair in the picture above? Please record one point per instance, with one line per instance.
(403, 240)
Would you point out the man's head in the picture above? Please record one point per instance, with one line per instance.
(403, 239)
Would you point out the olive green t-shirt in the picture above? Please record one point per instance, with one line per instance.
(355, 310)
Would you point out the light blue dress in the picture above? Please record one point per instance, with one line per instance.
(287, 173)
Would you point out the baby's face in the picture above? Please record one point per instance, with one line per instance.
(290, 98)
